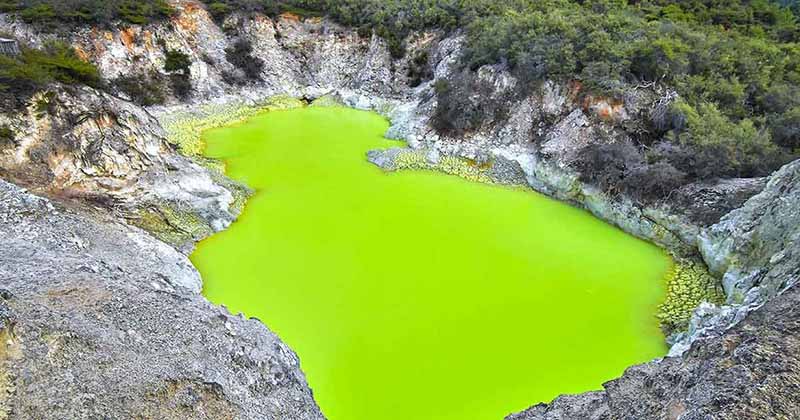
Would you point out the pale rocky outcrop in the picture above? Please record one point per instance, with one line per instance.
(79, 143)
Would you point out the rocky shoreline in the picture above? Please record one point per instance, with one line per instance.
(144, 166)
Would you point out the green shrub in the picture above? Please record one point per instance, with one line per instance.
(145, 90)
(728, 148)
(53, 14)
(465, 104)
(6, 136)
(176, 62)
(786, 129)
(181, 85)
(219, 10)
(734, 63)
(607, 165)
(34, 69)
(419, 69)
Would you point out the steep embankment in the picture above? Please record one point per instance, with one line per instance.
(83, 144)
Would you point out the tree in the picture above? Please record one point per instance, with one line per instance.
(178, 64)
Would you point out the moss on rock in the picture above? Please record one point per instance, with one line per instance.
(173, 223)
(465, 168)
(185, 130)
(170, 223)
(688, 285)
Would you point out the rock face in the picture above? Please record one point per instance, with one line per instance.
(90, 309)
(743, 361)
(756, 250)
(100, 320)
(79, 143)
(750, 372)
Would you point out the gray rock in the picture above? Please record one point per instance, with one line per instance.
(99, 320)
(752, 371)
(705, 203)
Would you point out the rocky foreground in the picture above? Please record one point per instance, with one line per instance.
(99, 319)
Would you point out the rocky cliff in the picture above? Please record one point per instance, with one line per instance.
(97, 150)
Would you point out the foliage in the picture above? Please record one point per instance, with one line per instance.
(419, 69)
(181, 85)
(177, 64)
(621, 168)
(240, 54)
(393, 20)
(33, 69)
(467, 102)
(607, 165)
(145, 90)
(735, 64)
(786, 129)
(7, 137)
(727, 148)
(52, 14)
(653, 181)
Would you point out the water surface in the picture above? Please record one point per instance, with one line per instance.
(416, 295)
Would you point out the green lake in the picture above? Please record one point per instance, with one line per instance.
(417, 295)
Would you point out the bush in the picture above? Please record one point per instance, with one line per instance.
(621, 168)
(145, 90)
(728, 148)
(466, 103)
(176, 62)
(240, 55)
(6, 136)
(53, 14)
(607, 165)
(419, 69)
(34, 69)
(219, 10)
(786, 130)
(181, 85)
(653, 181)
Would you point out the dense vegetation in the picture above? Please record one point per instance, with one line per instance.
(34, 69)
(734, 64)
(54, 13)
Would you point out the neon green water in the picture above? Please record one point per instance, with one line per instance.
(416, 295)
